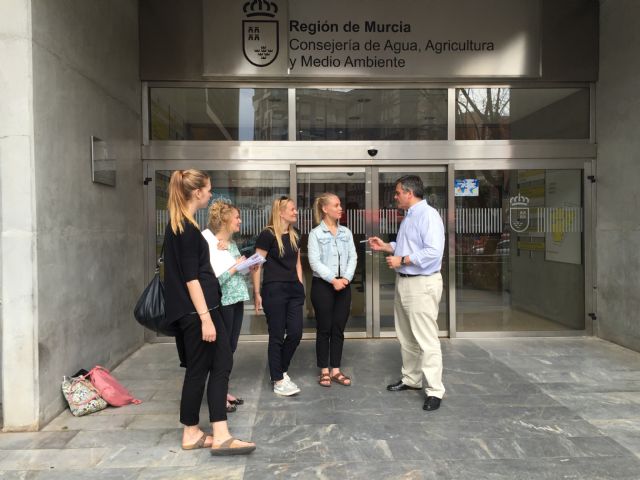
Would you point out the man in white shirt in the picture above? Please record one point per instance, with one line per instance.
(417, 258)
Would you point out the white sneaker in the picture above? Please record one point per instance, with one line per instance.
(285, 388)
(287, 379)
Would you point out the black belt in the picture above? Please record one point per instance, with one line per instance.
(408, 275)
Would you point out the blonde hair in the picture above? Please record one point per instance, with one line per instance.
(276, 227)
(220, 213)
(318, 203)
(181, 187)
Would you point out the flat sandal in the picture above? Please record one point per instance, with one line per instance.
(341, 378)
(324, 377)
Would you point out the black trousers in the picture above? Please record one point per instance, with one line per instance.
(282, 303)
(232, 317)
(332, 311)
(204, 360)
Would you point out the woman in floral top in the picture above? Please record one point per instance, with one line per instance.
(224, 221)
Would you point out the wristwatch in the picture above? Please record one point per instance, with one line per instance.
(404, 260)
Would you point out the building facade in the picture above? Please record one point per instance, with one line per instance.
(508, 110)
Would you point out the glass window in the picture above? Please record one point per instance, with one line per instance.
(519, 250)
(522, 113)
(252, 192)
(218, 114)
(355, 114)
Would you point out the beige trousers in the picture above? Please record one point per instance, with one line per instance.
(416, 317)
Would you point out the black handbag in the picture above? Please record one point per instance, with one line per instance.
(149, 310)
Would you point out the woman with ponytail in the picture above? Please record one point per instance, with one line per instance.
(192, 298)
(332, 257)
(282, 294)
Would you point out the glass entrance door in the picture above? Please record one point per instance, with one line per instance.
(386, 227)
(520, 250)
(366, 194)
(349, 184)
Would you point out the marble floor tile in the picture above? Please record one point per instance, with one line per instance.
(214, 471)
(550, 469)
(109, 474)
(35, 440)
(137, 456)
(51, 459)
(335, 470)
(66, 421)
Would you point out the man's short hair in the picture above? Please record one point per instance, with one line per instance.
(412, 183)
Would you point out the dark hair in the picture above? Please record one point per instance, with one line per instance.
(412, 183)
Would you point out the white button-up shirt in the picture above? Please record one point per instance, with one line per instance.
(421, 238)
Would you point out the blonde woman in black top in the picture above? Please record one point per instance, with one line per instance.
(192, 296)
(282, 293)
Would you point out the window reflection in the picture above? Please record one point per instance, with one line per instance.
(218, 114)
(355, 114)
(522, 114)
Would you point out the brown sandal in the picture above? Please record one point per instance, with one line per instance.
(227, 448)
(201, 443)
(342, 379)
(324, 380)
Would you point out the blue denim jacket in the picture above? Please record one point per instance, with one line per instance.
(326, 252)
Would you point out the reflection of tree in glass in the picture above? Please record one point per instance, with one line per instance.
(482, 114)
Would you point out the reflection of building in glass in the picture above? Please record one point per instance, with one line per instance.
(521, 113)
(352, 114)
(218, 114)
(166, 123)
(271, 117)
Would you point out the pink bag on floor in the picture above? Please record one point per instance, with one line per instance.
(109, 388)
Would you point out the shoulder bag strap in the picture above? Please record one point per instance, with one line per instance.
(160, 260)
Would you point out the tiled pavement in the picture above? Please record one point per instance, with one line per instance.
(539, 408)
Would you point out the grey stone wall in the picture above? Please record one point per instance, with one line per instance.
(618, 196)
(90, 236)
(18, 282)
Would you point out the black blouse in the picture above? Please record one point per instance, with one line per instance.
(186, 258)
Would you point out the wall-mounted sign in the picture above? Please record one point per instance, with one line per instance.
(466, 187)
(103, 165)
(380, 38)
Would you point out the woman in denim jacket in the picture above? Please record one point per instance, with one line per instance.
(332, 256)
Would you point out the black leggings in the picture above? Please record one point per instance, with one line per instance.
(332, 311)
(212, 360)
(282, 303)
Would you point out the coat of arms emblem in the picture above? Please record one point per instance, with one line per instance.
(519, 213)
(260, 33)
